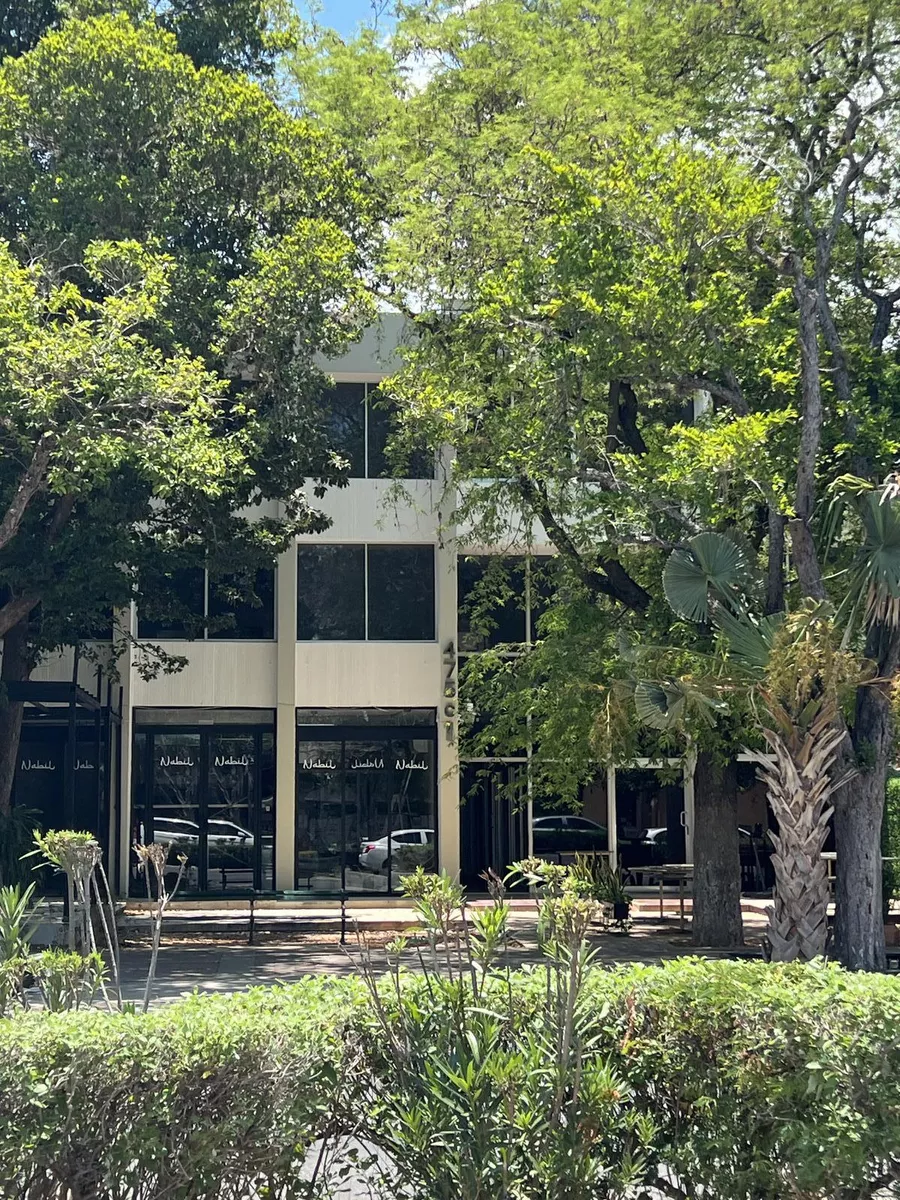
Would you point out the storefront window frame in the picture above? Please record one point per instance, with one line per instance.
(143, 791)
(352, 733)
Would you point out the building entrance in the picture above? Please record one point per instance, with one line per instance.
(366, 800)
(208, 794)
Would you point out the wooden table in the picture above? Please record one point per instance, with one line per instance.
(679, 873)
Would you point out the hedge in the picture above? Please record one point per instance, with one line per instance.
(749, 1080)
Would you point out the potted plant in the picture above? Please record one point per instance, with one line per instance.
(607, 887)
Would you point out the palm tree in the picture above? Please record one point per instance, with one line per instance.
(800, 672)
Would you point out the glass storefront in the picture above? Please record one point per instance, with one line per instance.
(209, 794)
(650, 821)
(366, 800)
(493, 818)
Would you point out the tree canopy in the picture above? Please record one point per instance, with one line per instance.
(648, 254)
(176, 250)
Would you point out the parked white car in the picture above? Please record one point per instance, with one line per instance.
(373, 855)
(178, 831)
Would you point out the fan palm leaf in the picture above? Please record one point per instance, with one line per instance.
(749, 638)
(711, 562)
(876, 572)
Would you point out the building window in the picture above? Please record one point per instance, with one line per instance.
(359, 424)
(365, 593)
(331, 593)
(232, 617)
(491, 601)
(401, 593)
(213, 609)
(366, 805)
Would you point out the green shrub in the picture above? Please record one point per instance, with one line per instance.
(209, 1097)
(730, 1081)
(764, 1080)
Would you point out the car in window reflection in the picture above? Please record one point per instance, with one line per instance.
(563, 833)
(175, 831)
(409, 848)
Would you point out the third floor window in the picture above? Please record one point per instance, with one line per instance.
(359, 423)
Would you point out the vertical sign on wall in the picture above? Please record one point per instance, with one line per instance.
(450, 689)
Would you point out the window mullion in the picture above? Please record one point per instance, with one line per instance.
(365, 430)
(366, 586)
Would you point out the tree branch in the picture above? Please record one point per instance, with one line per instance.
(33, 480)
(614, 582)
(729, 392)
(811, 418)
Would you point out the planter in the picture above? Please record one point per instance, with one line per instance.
(621, 909)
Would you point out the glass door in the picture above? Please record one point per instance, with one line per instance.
(231, 792)
(365, 808)
(208, 795)
(173, 818)
(650, 821)
(319, 836)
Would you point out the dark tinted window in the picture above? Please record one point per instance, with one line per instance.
(331, 593)
(381, 418)
(346, 425)
(185, 588)
(401, 593)
(491, 591)
(231, 617)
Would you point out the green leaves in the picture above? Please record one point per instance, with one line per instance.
(178, 248)
(876, 571)
(710, 563)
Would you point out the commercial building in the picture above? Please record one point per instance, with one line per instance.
(314, 744)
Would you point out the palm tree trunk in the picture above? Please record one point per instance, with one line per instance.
(858, 922)
(799, 783)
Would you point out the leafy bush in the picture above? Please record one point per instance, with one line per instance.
(211, 1097)
(731, 1081)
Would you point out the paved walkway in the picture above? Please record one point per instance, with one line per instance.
(227, 965)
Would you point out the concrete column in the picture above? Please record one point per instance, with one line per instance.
(690, 763)
(448, 707)
(285, 718)
(128, 618)
(612, 818)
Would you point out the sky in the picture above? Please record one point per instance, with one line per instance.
(342, 15)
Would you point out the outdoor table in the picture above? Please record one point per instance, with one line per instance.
(678, 873)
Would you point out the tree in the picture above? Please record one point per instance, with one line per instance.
(156, 386)
(232, 35)
(799, 673)
(563, 316)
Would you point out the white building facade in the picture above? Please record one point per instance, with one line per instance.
(314, 746)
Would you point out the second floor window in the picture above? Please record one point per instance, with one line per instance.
(213, 609)
(359, 424)
(365, 593)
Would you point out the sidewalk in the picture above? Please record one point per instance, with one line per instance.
(227, 964)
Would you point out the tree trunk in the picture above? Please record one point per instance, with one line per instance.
(16, 668)
(799, 779)
(717, 856)
(859, 807)
(859, 921)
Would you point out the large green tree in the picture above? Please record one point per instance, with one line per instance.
(176, 250)
(233, 35)
(603, 209)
